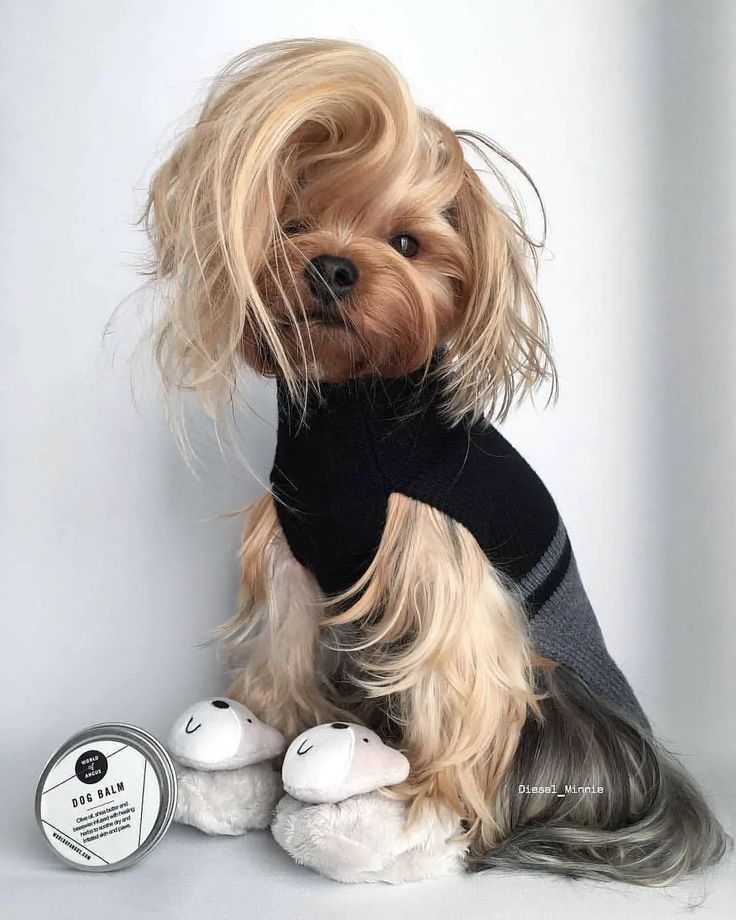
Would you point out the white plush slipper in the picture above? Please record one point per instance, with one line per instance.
(365, 839)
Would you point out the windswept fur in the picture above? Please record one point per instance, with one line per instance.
(323, 137)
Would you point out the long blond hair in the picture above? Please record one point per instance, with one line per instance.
(213, 215)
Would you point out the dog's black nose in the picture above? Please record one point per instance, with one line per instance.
(330, 278)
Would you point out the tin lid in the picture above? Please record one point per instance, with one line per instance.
(106, 797)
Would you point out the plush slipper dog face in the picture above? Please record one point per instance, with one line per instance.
(332, 762)
(220, 734)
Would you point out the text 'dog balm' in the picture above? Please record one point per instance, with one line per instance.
(106, 797)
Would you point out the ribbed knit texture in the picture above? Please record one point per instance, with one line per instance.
(363, 440)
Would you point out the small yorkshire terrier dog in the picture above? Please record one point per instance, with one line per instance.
(407, 570)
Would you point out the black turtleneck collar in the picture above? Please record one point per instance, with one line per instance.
(381, 397)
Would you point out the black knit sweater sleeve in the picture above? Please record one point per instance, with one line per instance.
(474, 476)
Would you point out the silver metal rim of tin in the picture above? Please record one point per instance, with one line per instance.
(158, 758)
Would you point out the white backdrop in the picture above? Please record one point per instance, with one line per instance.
(114, 564)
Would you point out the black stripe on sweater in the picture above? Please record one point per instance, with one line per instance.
(539, 597)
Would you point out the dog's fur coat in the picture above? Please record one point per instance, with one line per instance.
(317, 225)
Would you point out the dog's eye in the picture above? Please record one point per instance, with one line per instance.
(293, 228)
(404, 244)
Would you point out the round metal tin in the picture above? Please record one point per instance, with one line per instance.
(106, 797)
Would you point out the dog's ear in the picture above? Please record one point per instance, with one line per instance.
(211, 215)
(500, 352)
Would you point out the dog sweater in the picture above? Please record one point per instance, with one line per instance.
(356, 443)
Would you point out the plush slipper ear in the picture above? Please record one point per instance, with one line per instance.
(332, 762)
(221, 734)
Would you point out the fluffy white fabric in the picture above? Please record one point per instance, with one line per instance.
(332, 762)
(221, 734)
(228, 801)
(365, 839)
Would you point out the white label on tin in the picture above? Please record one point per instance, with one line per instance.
(100, 802)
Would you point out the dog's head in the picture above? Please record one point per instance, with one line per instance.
(318, 225)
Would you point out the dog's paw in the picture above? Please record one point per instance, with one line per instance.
(366, 839)
(227, 801)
